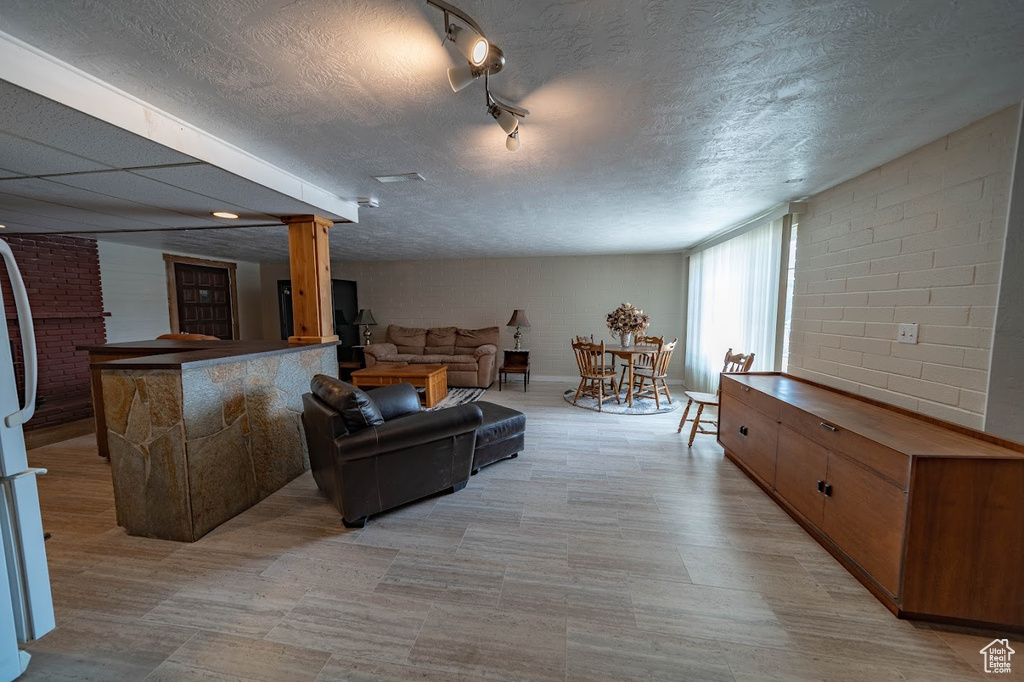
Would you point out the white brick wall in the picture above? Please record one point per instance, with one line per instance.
(919, 239)
(563, 297)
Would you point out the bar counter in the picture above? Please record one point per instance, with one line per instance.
(199, 431)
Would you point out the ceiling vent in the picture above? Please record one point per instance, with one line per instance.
(402, 177)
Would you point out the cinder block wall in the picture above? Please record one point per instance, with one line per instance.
(919, 239)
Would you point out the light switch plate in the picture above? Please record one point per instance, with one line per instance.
(907, 333)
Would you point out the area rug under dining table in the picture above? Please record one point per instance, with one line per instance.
(640, 405)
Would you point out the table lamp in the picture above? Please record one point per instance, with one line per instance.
(365, 317)
(518, 320)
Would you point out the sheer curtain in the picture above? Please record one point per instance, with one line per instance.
(732, 302)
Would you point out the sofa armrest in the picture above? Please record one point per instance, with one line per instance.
(410, 431)
(396, 400)
(379, 350)
(486, 349)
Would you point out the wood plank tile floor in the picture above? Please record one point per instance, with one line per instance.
(606, 551)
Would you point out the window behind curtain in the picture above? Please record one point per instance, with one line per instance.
(733, 300)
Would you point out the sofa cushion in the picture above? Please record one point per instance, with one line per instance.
(439, 350)
(430, 359)
(407, 339)
(441, 336)
(357, 409)
(399, 357)
(471, 338)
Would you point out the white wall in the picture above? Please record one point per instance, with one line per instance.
(135, 293)
(563, 296)
(1006, 380)
(919, 239)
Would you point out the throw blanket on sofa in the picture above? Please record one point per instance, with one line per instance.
(469, 354)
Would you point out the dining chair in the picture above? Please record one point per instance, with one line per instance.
(640, 361)
(737, 362)
(656, 373)
(590, 357)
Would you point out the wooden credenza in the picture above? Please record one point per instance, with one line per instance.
(928, 515)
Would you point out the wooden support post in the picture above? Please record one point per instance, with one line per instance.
(310, 257)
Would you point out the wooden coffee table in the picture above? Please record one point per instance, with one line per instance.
(433, 378)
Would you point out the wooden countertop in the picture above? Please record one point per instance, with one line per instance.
(904, 432)
(182, 354)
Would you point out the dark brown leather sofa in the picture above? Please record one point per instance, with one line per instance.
(371, 451)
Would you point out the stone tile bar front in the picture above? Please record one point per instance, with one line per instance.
(200, 434)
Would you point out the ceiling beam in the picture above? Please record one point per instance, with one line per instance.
(43, 74)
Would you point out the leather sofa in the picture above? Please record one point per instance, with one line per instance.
(371, 451)
(469, 354)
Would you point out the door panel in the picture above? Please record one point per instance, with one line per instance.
(204, 300)
(800, 465)
(751, 436)
(865, 516)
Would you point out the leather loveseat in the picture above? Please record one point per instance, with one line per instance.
(469, 354)
(375, 450)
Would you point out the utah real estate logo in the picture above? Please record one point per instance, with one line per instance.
(997, 656)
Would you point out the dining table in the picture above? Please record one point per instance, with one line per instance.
(629, 355)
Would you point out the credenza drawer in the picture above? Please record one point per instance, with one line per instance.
(891, 464)
(762, 402)
(750, 436)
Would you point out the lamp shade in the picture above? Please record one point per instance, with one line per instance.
(512, 141)
(506, 120)
(519, 319)
(461, 76)
(365, 316)
(471, 44)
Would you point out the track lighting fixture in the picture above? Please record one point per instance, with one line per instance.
(506, 120)
(484, 59)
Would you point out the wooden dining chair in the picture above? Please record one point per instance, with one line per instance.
(656, 373)
(590, 357)
(641, 361)
(737, 362)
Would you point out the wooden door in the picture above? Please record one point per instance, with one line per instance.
(204, 300)
(800, 466)
(865, 516)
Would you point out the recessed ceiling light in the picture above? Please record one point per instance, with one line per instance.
(224, 214)
(791, 180)
(401, 177)
(2, 227)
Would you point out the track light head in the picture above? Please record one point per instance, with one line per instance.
(461, 76)
(512, 141)
(473, 45)
(505, 119)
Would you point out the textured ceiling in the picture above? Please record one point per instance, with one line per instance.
(653, 124)
(62, 171)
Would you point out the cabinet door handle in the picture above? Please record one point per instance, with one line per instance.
(829, 427)
(821, 486)
(743, 430)
(828, 490)
(746, 388)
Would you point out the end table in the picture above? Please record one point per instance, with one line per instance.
(516, 362)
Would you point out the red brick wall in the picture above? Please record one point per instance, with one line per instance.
(62, 275)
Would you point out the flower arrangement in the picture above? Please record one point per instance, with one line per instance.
(628, 319)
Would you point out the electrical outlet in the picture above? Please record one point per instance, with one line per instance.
(907, 333)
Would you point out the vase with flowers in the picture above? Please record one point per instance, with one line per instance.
(626, 321)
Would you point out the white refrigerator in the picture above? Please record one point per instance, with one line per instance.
(26, 607)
